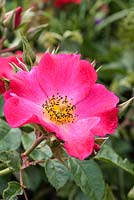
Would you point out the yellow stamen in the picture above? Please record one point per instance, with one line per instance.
(59, 109)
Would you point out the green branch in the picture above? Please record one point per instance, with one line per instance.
(34, 145)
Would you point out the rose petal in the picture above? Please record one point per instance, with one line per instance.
(99, 100)
(108, 123)
(67, 75)
(20, 111)
(79, 140)
(25, 84)
(6, 70)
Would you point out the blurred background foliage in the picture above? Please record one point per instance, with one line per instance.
(102, 31)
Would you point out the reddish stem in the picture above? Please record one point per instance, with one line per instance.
(25, 161)
(8, 49)
(38, 140)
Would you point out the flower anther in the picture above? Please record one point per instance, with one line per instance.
(59, 109)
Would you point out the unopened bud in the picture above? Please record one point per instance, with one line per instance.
(12, 19)
(17, 17)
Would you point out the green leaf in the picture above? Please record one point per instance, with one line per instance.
(10, 139)
(56, 173)
(68, 191)
(109, 155)
(80, 196)
(109, 73)
(3, 183)
(1, 105)
(12, 191)
(88, 177)
(42, 151)
(108, 194)
(32, 177)
(34, 33)
(112, 18)
(4, 129)
(11, 159)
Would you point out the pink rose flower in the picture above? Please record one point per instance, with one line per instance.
(60, 3)
(61, 95)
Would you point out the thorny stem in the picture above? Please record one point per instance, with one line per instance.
(22, 185)
(25, 163)
(8, 49)
(25, 195)
(1, 42)
(33, 146)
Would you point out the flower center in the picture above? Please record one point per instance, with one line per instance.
(59, 109)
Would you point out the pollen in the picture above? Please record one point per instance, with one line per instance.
(59, 109)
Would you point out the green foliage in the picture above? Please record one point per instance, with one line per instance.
(28, 54)
(1, 105)
(101, 30)
(42, 152)
(88, 176)
(56, 173)
(108, 154)
(4, 129)
(112, 18)
(126, 29)
(108, 194)
(32, 178)
(12, 191)
(11, 159)
(10, 139)
(3, 184)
